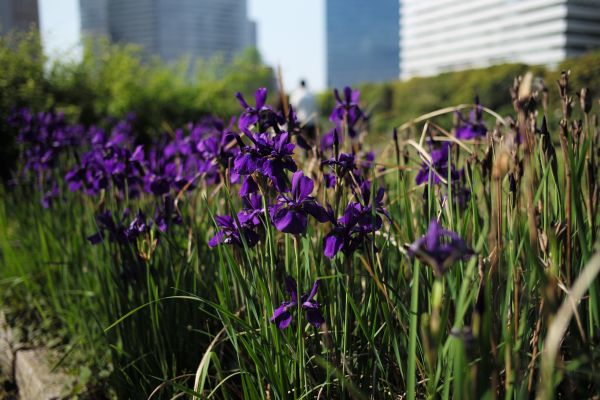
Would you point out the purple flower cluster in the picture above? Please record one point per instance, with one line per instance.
(258, 155)
(204, 151)
(119, 232)
(44, 137)
(441, 168)
(178, 163)
(110, 163)
(265, 160)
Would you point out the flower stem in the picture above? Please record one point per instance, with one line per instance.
(412, 330)
(300, 338)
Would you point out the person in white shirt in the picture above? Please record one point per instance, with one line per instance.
(305, 107)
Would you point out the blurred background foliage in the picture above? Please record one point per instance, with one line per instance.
(394, 103)
(112, 80)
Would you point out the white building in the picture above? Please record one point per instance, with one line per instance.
(448, 35)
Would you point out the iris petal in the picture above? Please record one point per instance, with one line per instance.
(290, 221)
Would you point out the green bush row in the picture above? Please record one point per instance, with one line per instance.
(394, 103)
(111, 80)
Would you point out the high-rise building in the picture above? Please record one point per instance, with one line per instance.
(172, 29)
(447, 35)
(362, 41)
(19, 15)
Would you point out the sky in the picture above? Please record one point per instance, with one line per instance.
(290, 33)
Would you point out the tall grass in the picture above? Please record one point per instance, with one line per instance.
(168, 315)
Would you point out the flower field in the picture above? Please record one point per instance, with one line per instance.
(241, 259)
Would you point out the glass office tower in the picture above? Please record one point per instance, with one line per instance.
(171, 29)
(362, 41)
(20, 15)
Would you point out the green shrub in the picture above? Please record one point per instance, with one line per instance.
(394, 103)
(22, 83)
(112, 80)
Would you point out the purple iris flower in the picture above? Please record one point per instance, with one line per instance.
(345, 163)
(472, 128)
(260, 114)
(218, 152)
(282, 316)
(249, 186)
(440, 248)
(328, 140)
(107, 225)
(290, 214)
(438, 169)
(360, 219)
(346, 235)
(230, 233)
(367, 160)
(348, 106)
(370, 221)
(158, 185)
(137, 227)
(252, 210)
(347, 110)
(167, 215)
(330, 180)
(270, 157)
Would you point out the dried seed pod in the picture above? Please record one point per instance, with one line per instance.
(525, 88)
(563, 88)
(544, 91)
(501, 165)
(563, 84)
(585, 100)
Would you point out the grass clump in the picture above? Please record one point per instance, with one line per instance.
(246, 260)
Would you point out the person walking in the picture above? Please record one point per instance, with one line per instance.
(305, 107)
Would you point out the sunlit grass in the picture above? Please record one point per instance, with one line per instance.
(176, 316)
